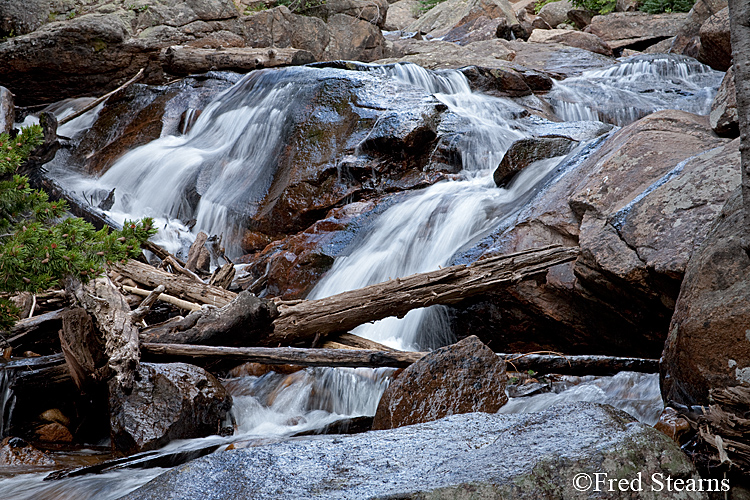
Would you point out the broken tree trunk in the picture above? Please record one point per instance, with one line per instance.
(185, 60)
(450, 285)
(83, 349)
(571, 365)
(115, 321)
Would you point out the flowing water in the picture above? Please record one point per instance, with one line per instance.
(230, 153)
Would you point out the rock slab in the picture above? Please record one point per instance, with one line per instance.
(461, 378)
(471, 456)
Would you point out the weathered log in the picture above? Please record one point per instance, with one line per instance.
(238, 323)
(170, 259)
(111, 312)
(47, 322)
(351, 341)
(180, 60)
(32, 374)
(191, 264)
(284, 355)
(179, 286)
(450, 285)
(223, 276)
(101, 99)
(182, 304)
(579, 365)
(83, 349)
(572, 365)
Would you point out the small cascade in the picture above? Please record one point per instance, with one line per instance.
(7, 399)
(635, 87)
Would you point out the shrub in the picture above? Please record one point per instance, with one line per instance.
(596, 6)
(659, 6)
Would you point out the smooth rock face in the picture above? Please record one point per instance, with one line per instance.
(353, 39)
(461, 378)
(556, 58)
(708, 346)
(372, 11)
(401, 14)
(449, 14)
(435, 54)
(279, 27)
(171, 401)
(524, 152)
(637, 207)
(555, 13)
(580, 39)
(716, 45)
(472, 456)
(723, 117)
(633, 29)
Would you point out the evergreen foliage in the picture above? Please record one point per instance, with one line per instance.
(38, 246)
(659, 6)
(600, 7)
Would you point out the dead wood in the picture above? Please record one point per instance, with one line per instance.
(579, 365)
(83, 349)
(111, 312)
(223, 276)
(194, 253)
(185, 60)
(351, 341)
(46, 323)
(182, 304)
(101, 99)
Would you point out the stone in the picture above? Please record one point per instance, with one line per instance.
(20, 18)
(672, 424)
(723, 117)
(580, 18)
(524, 152)
(353, 39)
(540, 24)
(55, 415)
(372, 11)
(15, 452)
(401, 14)
(476, 455)
(708, 347)
(170, 401)
(435, 54)
(448, 14)
(716, 45)
(687, 40)
(627, 5)
(580, 39)
(461, 378)
(635, 30)
(557, 59)
(279, 27)
(54, 432)
(555, 13)
(477, 30)
(7, 111)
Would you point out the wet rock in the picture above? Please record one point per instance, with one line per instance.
(445, 55)
(586, 41)
(461, 378)
(524, 152)
(524, 456)
(7, 111)
(401, 14)
(580, 18)
(54, 432)
(555, 13)
(372, 11)
(171, 401)
(353, 39)
(672, 424)
(445, 16)
(635, 30)
(279, 27)
(15, 452)
(716, 46)
(637, 208)
(557, 59)
(708, 347)
(723, 117)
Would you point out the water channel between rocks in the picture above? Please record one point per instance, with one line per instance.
(425, 229)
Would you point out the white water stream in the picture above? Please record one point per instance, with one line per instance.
(231, 149)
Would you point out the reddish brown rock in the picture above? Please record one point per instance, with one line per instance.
(708, 347)
(524, 152)
(461, 378)
(716, 46)
(572, 38)
(723, 117)
(54, 432)
(672, 424)
(635, 29)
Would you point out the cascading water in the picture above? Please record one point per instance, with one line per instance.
(231, 149)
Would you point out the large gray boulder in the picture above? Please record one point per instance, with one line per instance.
(472, 456)
(279, 27)
(724, 119)
(555, 13)
(635, 29)
(170, 401)
(447, 15)
(716, 46)
(572, 38)
(708, 347)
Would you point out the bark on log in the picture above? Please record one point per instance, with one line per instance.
(351, 341)
(285, 355)
(191, 264)
(223, 276)
(101, 298)
(47, 322)
(238, 323)
(739, 19)
(83, 349)
(450, 285)
(179, 286)
(185, 60)
(572, 365)
(182, 304)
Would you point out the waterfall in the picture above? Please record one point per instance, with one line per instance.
(7, 399)
(635, 87)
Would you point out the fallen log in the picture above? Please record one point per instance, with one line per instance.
(570, 365)
(284, 355)
(178, 285)
(180, 60)
(182, 304)
(450, 285)
(47, 322)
